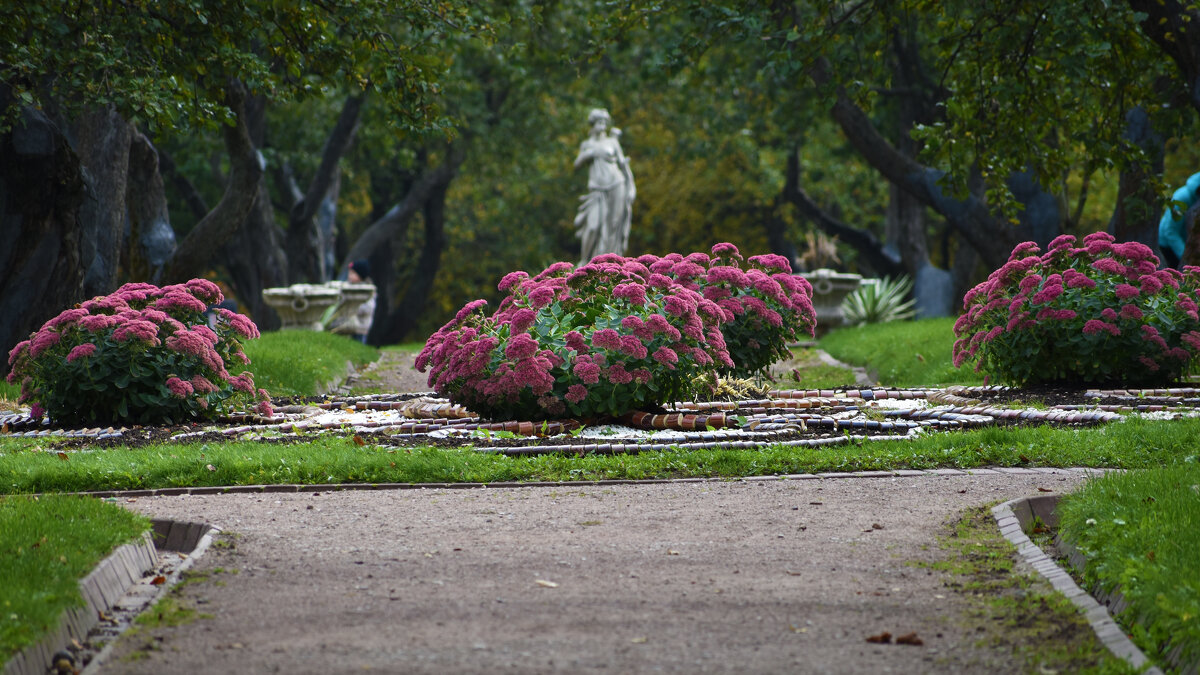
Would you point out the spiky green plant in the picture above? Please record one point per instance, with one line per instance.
(883, 301)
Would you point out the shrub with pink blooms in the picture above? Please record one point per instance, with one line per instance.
(767, 307)
(1098, 313)
(142, 354)
(615, 335)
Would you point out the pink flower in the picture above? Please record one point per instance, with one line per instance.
(606, 338)
(179, 388)
(676, 306)
(725, 249)
(1048, 293)
(666, 356)
(587, 371)
(521, 346)
(687, 270)
(1023, 248)
(772, 261)
(618, 375)
(1108, 314)
(179, 300)
(205, 290)
(201, 385)
(263, 408)
(511, 280)
(1151, 284)
(642, 376)
(36, 411)
(632, 323)
(45, 339)
(632, 346)
(660, 281)
(468, 309)
(1075, 279)
(243, 382)
(633, 292)
(576, 393)
(1030, 282)
(1130, 312)
(522, 319)
(575, 342)
(188, 342)
(541, 296)
(557, 269)
(1125, 291)
(1062, 241)
(1148, 362)
(81, 351)
(1109, 266)
(1093, 326)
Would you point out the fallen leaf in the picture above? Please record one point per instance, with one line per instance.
(158, 580)
(910, 639)
(881, 639)
(797, 630)
(1024, 459)
(210, 467)
(639, 640)
(816, 503)
(546, 584)
(876, 526)
(920, 358)
(794, 574)
(1042, 489)
(672, 551)
(1150, 556)
(358, 440)
(62, 455)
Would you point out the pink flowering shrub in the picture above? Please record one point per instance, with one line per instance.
(766, 306)
(142, 354)
(615, 335)
(1099, 313)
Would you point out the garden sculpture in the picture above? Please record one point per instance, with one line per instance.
(606, 211)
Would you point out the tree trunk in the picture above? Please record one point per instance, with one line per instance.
(41, 191)
(1135, 216)
(1176, 31)
(196, 251)
(150, 242)
(400, 322)
(101, 138)
(255, 260)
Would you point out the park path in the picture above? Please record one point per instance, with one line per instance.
(705, 577)
(753, 576)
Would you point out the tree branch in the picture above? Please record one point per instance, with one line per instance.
(215, 228)
(335, 146)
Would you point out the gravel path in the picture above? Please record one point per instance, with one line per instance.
(713, 577)
(709, 577)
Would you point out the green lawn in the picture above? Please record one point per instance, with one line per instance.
(47, 545)
(901, 353)
(299, 362)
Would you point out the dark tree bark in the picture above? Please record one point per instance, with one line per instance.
(1176, 31)
(197, 250)
(150, 242)
(401, 321)
(41, 190)
(399, 216)
(101, 139)
(306, 246)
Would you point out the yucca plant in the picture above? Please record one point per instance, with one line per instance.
(880, 302)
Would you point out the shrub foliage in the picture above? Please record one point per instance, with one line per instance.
(142, 354)
(617, 334)
(1100, 313)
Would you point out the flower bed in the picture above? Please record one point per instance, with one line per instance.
(141, 354)
(1099, 313)
(617, 334)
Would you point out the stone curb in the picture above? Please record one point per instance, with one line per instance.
(1013, 517)
(107, 583)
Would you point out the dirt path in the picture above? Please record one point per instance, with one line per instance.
(728, 577)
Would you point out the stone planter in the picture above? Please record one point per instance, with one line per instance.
(830, 288)
(301, 306)
(352, 297)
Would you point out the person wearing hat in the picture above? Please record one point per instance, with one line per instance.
(359, 324)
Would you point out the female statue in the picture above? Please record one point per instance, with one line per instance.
(605, 212)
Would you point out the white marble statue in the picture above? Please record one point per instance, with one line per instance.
(606, 210)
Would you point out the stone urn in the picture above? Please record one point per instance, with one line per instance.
(301, 306)
(830, 288)
(352, 297)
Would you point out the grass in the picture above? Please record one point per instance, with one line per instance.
(902, 353)
(300, 363)
(26, 466)
(9, 393)
(47, 545)
(1141, 530)
(1018, 612)
(807, 371)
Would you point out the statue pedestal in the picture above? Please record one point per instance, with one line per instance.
(829, 289)
(301, 306)
(352, 297)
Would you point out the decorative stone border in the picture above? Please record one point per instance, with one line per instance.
(101, 589)
(1013, 517)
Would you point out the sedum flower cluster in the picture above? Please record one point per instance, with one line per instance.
(1098, 313)
(614, 335)
(142, 354)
